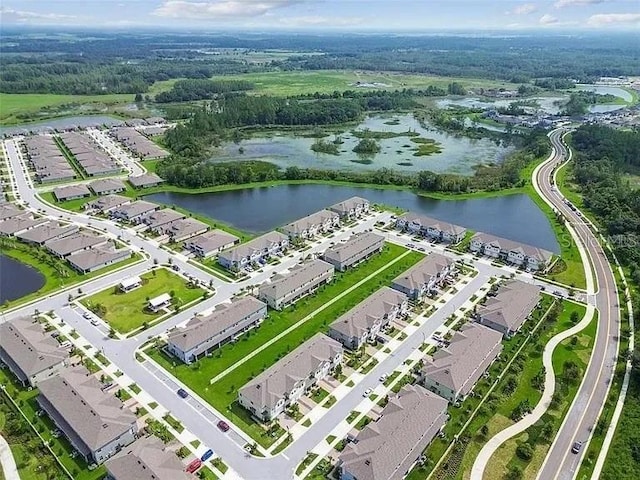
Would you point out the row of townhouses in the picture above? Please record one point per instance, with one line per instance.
(515, 253)
(91, 158)
(48, 163)
(431, 228)
(83, 250)
(102, 186)
(137, 143)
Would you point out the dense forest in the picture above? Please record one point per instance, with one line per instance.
(91, 63)
(201, 89)
(603, 154)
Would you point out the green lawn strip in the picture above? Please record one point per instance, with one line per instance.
(75, 205)
(206, 474)
(57, 273)
(283, 444)
(26, 401)
(499, 404)
(306, 462)
(319, 395)
(175, 424)
(220, 465)
(126, 311)
(505, 458)
(223, 393)
(71, 159)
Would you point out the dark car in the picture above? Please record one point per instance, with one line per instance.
(224, 426)
(182, 393)
(577, 446)
(206, 455)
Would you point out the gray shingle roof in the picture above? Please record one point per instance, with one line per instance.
(509, 245)
(78, 241)
(9, 210)
(95, 257)
(21, 222)
(107, 185)
(462, 363)
(184, 227)
(225, 315)
(145, 179)
(69, 191)
(353, 246)
(385, 449)
(344, 207)
(47, 231)
(29, 346)
(426, 222)
(136, 208)
(146, 459)
(258, 244)
(96, 417)
(363, 316)
(317, 218)
(282, 285)
(161, 217)
(109, 201)
(213, 240)
(271, 385)
(422, 272)
(513, 303)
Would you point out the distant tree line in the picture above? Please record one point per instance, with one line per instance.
(201, 89)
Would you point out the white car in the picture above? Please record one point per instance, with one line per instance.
(383, 377)
(367, 392)
(95, 322)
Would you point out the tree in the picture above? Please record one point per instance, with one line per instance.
(138, 98)
(524, 451)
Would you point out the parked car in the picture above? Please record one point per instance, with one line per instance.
(577, 446)
(175, 268)
(193, 466)
(383, 377)
(95, 322)
(206, 455)
(410, 245)
(224, 426)
(86, 315)
(182, 393)
(367, 392)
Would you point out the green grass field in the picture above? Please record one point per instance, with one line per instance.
(126, 311)
(222, 394)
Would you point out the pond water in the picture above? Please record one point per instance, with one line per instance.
(262, 209)
(61, 123)
(17, 279)
(459, 154)
(606, 89)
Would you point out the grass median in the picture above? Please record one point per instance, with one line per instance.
(222, 394)
(126, 311)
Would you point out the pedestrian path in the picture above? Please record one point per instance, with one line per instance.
(9, 468)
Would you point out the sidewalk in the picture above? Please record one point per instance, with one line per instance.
(9, 468)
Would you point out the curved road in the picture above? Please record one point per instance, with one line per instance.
(585, 410)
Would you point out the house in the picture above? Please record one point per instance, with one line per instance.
(129, 284)
(453, 371)
(210, 243)
(388, 448)
(284, 290)
(157, 219)
(312, 225)
(509, 308)
(436, 230)
(357, 248)
(159, 302)
(138, 143)
(107, 203)
(96, 258)
(146, 180)
(204, 334)
(9, 210)
(71, 192)
(515, 253)
(184, 228)
(21, 223)
(354, 207)
(30, 353)
(365, 321)
(106, 186)
(74, 243)
(282, 384)
(46, 232)
(134, 211)
(94, 421)
(146, 459)
(424, 277)
(254, 251)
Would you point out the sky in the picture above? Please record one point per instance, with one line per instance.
(343, 15)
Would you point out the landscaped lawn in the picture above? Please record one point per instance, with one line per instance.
(126, 311)
(223, 393)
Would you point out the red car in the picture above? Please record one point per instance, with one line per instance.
(193, 466)
(224, 426)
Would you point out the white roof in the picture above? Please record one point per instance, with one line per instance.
(130, 282)
(159, 300)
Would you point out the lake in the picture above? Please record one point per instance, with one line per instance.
(61, 123)
(459, 154)
(17, 279)
(258, 210)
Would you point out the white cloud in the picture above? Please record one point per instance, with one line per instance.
(524, 9)
(27, 16)
(576, 3)
(547, 19)
(317, 20)
(226, 9)
(607, 19)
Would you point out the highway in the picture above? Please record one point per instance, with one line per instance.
(561, 463)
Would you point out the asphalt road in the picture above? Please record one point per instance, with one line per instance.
(585, 410)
